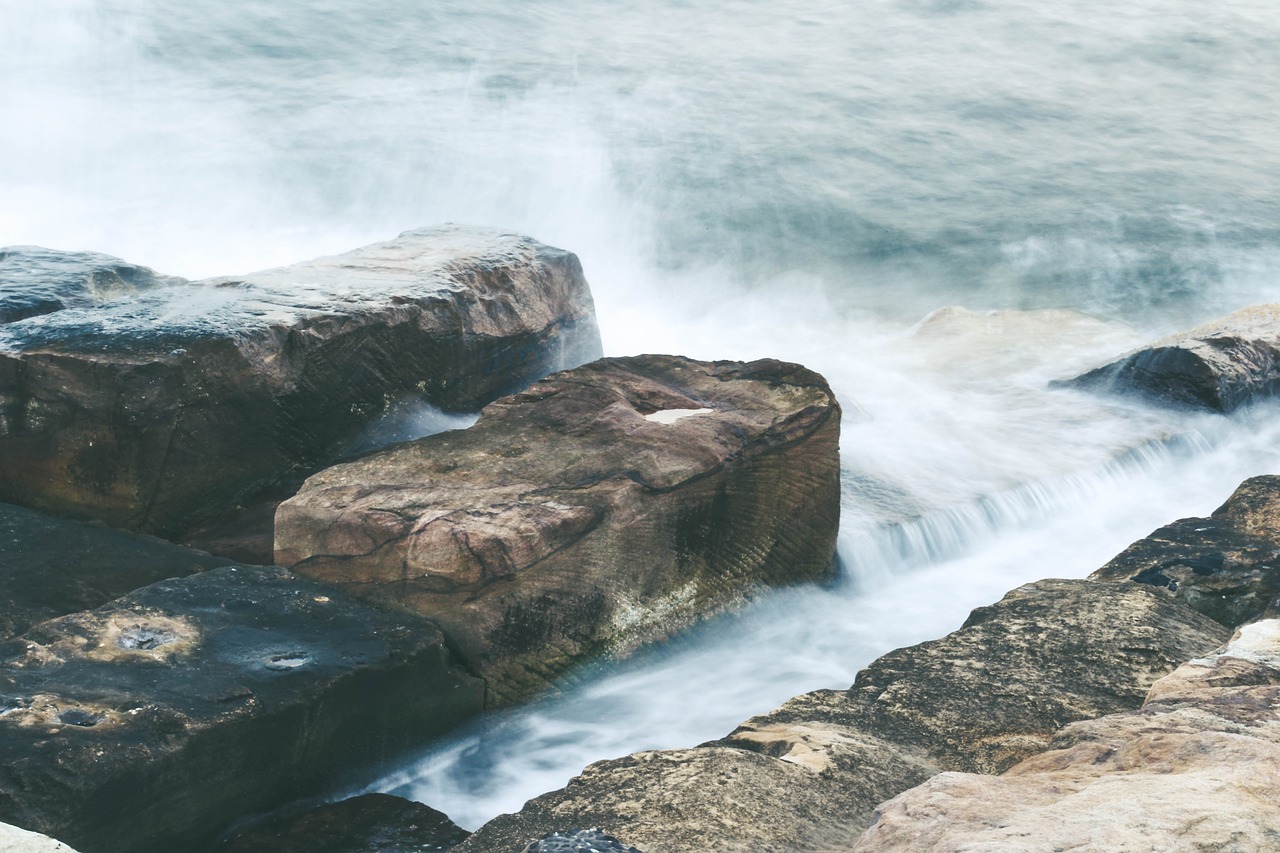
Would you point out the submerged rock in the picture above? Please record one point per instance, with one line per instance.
(1193, 769)
(371, 823)
(602, 508)
(808, 776)
(150, 723)
(51, 567)
(154, 403)
(1219, 366)
(1227, 566)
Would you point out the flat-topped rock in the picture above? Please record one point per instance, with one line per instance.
(152, 403)
(1227, 566)
(1193, 769)
(51, 566)
(1219, 366)
(602, 508)
(808, 776)
(148, 724)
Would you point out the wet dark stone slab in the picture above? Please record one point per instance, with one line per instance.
(371, 823)
(52, 566)
(156, 404)
(149, 724)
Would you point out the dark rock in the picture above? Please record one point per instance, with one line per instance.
(372, 823)
(157, 405)
(1226, 566)
(150, 723)
(581, 841)
(1219, 366)
(808, 776)
(571, 520)
(51, 567)
(36, 281)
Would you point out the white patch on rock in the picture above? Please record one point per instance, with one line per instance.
(15, 840)
(670, 416)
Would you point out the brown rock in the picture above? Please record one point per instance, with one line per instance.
(150, 723)
(1219, 366)
(157, 403)
(1194, 769)
(808, 775)
(1227, 566)
(602, 508)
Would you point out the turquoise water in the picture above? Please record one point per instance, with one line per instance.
(806, 180)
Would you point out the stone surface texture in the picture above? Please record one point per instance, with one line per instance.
(1219, 366)
(1227, 566)
(1194, 769)
(581, 841)
(51, 567)
(148, 724)
(153, 403)
(15, 840)
(370, 823)
(602, 508)
(808, 776)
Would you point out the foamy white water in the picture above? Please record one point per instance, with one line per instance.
(812, 180)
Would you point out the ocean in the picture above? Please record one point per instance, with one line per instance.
(941, 205)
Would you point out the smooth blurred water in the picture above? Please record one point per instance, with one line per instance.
(811, 180)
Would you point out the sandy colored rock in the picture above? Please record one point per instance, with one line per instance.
(148, 724)
(1219, 366)
(1194, 769)
(51, 566)
(808, 776)
(1227, 566)
(604, 507)
(155, 403)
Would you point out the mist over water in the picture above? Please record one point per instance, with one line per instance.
(813, 180)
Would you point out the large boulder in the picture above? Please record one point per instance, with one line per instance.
(51, 566)
(808, 776)
(1227, 566)
(1219, 366)
(152, 403)
(148, 724)
(1193, 769)
(602, 508)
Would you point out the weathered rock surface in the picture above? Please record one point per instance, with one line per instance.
(1227, 566)
(602, 508)
(808, 775)
(581, 841)
(1193, 769)
(150, 723)
(371, 823)
(15, 840)
(51, 567)
(152, 403)
(1219, 366)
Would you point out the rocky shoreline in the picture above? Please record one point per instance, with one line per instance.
(152, 695)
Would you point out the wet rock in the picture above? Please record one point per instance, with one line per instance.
(809, 775)
(1193, 769)
(371, 823)
(154, 404)
(15, 840)
(151, 722)
(1227, 566)
(581, 841)
(51, 567)
(1219, 366)
(602, 508)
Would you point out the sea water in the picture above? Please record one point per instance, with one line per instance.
(941, 205)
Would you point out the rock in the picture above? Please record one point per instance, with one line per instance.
(1219, 366)
(1227, 566)
(808, 776)
(51, 567)
(581, 841)
(156, 403)
(150, 723)
(371, 823)
(15, 840)
(603, 508)
(1193, 769)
